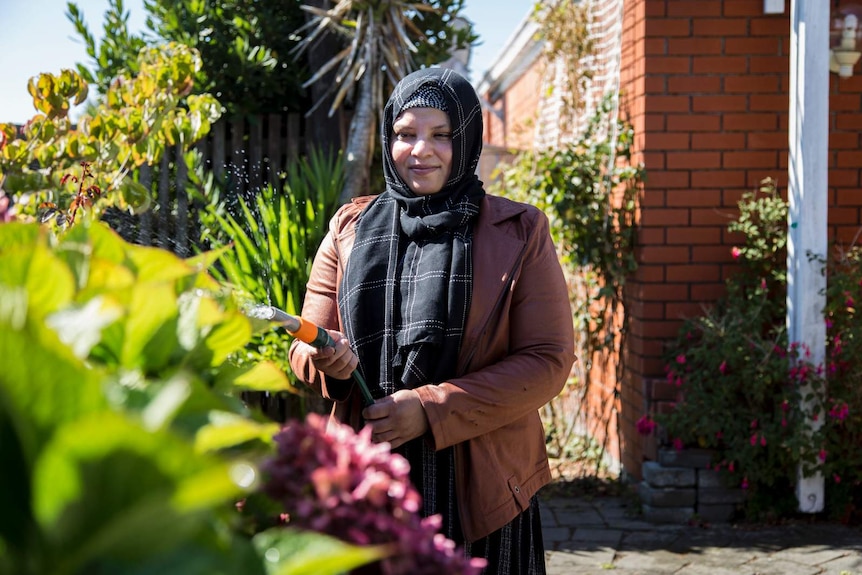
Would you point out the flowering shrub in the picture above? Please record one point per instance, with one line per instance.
(334, 481)
(742, 384)
(838, 439)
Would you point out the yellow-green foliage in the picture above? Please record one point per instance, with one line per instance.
(131, 125)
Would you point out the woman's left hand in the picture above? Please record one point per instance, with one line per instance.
(396, 418)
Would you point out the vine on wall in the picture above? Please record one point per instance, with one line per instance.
(587, 185)
(568, 45)
(588, 190)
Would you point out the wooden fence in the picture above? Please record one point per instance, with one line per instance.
(241, 154)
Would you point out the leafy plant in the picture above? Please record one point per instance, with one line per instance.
(565, 29)
(245, 47)
(743, 385)
(117, 53)
(587, 188)
(137, 119)
(122, 438)
(836, 441)
(267, 241)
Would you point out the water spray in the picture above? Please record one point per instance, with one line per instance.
(304, 330)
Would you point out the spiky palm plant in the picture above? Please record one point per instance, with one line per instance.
(384, 41)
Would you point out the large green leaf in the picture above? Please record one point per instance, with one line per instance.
(150, 330)
(19, 234)
(229, 430)
(225, 337)
(294, 552)
(44, 385)
(105, 487)
(29, 266)
(262, 376)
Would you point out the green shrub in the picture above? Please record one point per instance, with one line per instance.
(742, 384)
(840, 436)
(123, 442)
(267, 240)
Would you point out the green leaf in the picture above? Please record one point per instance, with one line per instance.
(150, 332)
(136, 196)
(156, 264)
(262, 376)
(44, 386)
(229, 430)
(105, 487)
(225, 338)
(294, 552)
(23, 266)
(81, 328)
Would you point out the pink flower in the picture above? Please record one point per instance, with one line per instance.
(731, 467)
(722, 369)
(753, 439)
(744, 483)
(763, 441)
(6, 215)
(328, 478)
(677, 444)
(836, 478)
(680, 359)
(763, 284)
(735, 252)
(822, 455)
(839, 411)
(753, 424)
(645, 425)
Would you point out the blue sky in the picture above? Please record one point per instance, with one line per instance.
(37, 37)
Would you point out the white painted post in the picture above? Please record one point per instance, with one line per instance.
(807, 194)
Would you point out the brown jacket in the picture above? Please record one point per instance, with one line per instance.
(516, 355)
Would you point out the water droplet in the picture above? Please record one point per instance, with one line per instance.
(243, 475)
(272, 555)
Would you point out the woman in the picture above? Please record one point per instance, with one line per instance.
(453, 306)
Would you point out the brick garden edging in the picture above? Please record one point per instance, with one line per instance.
(679, 487)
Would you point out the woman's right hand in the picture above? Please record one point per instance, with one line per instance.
(338, 362)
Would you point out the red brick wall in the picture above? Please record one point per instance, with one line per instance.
(706, 86)
(518, 105)
(509, 122)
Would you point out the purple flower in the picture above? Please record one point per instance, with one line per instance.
(332, 480)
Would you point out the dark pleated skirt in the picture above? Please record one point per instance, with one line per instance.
(515, 549)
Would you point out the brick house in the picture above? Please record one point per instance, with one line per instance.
(706, 86)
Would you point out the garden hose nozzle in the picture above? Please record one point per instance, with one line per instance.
(304, 330)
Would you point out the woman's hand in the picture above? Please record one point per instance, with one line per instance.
(338, 362)
(396, 418)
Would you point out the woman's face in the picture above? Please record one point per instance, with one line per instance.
(422, 149)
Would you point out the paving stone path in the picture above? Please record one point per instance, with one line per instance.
(598, 535)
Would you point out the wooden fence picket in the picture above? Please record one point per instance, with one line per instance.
(241, 153)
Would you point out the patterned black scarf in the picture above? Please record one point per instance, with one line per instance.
(407, 285)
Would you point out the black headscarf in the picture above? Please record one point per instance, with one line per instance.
(408, 283)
